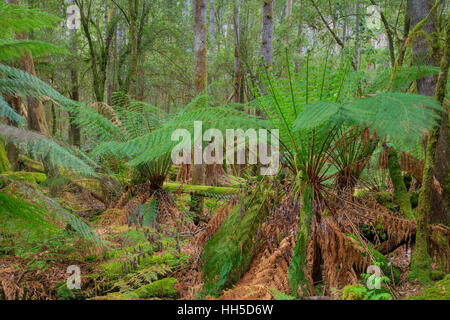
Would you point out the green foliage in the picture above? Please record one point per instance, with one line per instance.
(401, 117)
(297, 277)
(228, 254)
(160, 288)
(14, 49)
(44, 148)
(18, 19)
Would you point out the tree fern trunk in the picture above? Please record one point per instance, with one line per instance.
(401, 195)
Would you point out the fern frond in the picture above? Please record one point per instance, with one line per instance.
(10, 113)
(14, 49)
(42, 148)
(15, 81)
(404, 76)
(18, 19)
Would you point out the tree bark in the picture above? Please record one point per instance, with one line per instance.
(419, 10)
(238, 83)
(133, 6)
(267, 33)
(200, 81)
(427, 52)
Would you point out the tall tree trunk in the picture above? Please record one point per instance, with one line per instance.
(74, 133)
(357, 31)
(267, 33)
(238, 81)
(200, 81)
(267, 39)
(288, 19)
(133, 6)
(419, 10)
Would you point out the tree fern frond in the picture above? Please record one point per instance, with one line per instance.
(15, 81)
(315, 114)
(14, 49)
(404, 76)
(10, 113)
(18, 19)
(41, 147)
(403, 117)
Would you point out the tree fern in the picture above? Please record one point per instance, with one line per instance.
(14, 49)
(41, 147)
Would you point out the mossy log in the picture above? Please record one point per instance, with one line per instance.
(200, 190)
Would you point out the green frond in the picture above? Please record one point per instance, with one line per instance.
(404, 76)
(10, 113)
(18, 19)
(42, 148)
(315, 114)
(14, 81)
(402, 117)
(56, 209)
(14, 49)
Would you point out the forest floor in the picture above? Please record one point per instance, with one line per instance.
(142, 262)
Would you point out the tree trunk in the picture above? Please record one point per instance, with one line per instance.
(288, 19)
(200, 80)
(74, 133)
(238, 83)
(133, 6)
(419, 10)
(267, 33)
(401, 195)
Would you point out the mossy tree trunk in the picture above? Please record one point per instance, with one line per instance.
(133, 6)
(421, 262)
(401, 195)
(4, 163)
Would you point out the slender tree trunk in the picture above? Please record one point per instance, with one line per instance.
(357, 31)
(133, 6)
(267, 33)
(200, 81)
(74, 133)
(238, 83)
(288, 19)
(267, 39)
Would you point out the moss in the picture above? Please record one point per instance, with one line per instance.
(437, 275)
(354, 292)
(361, 193)
(383, 198)
(30, 177)
(161, 288)
(439, 291)
(4, 162)
(401, 195)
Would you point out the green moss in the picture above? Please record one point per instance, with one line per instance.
(401, 195)
(161, 288)
(354, 292)
(30, 177)
(361, 193)
(439, 291)
(437, 275)
(383, 198)
(4, 162)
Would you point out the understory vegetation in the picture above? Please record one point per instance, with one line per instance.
(93, 205)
